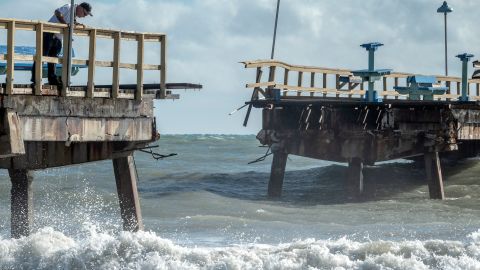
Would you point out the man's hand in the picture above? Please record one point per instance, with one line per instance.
(80, 25)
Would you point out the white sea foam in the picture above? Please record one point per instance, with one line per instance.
(50, 249)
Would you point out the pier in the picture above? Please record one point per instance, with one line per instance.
(361, 117)
(44, 126)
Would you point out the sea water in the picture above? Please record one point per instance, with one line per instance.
(206, 208)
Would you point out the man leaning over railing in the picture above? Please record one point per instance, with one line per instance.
(52, 43)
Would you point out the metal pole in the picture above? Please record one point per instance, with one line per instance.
(371, 67)
(68, 47)
(446, 47)
(275, 30)
(464, 80)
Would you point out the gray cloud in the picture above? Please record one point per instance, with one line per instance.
(207, 39)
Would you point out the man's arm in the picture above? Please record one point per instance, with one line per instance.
(60, 17)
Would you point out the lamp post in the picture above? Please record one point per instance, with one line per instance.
(445, 9)
(275, 30)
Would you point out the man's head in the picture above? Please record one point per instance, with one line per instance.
(83, 10)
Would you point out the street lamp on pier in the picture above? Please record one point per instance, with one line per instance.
(445, 9)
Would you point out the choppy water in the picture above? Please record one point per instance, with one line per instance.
(207, 209)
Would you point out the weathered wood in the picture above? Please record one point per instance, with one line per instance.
(434, 176)
(11, 136)
(91, 63)
(47, 106)
(77, 129)
(10, 56)
(21, 202)
(277, 173)
(285, 77)
(272, 64)
(126, 179)
(140, 61)
(39, 60)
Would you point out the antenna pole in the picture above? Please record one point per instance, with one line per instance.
(275, 30)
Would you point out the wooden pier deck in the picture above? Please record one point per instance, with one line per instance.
(321, 114)
(47, 126)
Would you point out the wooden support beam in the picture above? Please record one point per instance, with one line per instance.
(300, 82)
(10, 56)
(91, 63)
(140, 61)
(126, 179)
(396, 84)
(433, 171)
(163, 64)
(116, 64)
(39, 60)
(285, 77)
(312, 83)
(324, 83)
(277, 173)
(337, 84)
(21, 202)
(449, 89)
(355, 178)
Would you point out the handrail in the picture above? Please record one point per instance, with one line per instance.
(13, 25)
(336, 87)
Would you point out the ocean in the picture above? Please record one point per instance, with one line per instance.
(207, 208)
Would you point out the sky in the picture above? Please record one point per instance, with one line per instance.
(208, 38)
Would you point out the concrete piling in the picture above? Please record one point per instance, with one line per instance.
(433, 171)
(355, 178)
(126, 179)
(21, 202)
(277, 174)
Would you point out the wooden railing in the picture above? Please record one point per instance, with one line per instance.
(327, 82)
(12, 26)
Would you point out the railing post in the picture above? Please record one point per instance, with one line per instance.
(66, 50)
(140, 54)
(91, 63)
(116, 64)
(10, 56)
(337, 84)
(285, 77)
(396, 85)
(300, 82)
(312, 83)
(163, 63)
(39, 59)
(324, 84)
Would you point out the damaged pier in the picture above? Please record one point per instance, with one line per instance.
(327, 114)
(47, 126)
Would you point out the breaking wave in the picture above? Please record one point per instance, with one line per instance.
(50, 249)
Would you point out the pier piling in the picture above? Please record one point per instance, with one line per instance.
(277, 174)
(355, 178)
(126, 179)
(21, 202)
(433, 171)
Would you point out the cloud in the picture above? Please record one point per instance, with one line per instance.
(207, 39)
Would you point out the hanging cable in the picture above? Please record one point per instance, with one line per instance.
(268, 153)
